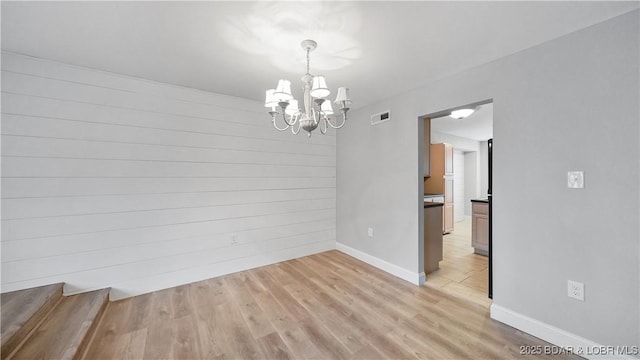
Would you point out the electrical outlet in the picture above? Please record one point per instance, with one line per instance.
(575, 290)
(234, 239)
(575, 179)
(370, 232)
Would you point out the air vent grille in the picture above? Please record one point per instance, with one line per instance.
(380, 117)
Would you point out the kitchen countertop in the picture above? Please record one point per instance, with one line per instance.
(432, 204)
(486, 200)
(433, 195)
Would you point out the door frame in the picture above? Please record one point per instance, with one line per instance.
(422, 122)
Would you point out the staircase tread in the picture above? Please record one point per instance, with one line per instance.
(62, 334)
(19, 307)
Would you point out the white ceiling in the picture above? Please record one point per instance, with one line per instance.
(477, 126)
(377, 49)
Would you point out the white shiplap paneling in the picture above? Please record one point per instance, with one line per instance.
(113, 181)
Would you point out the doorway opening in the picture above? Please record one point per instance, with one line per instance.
(463, 185)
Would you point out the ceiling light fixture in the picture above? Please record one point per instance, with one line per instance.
(316, 110)
(461, 113)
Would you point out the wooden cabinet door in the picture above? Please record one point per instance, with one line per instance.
(448, 205)
(448, 189)
(434, 184)
(448, 159)
(480, 228)
(441, 181)
(426, 148)
(432, 239)
(448, 218)
(480, 236)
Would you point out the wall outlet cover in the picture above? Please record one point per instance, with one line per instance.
(575, 179)
(370, 232)
(575, 290)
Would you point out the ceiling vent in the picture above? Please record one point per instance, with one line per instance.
(380, 117)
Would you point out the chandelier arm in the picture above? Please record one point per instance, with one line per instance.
(279, 129)
(344, 121)
(275, 125)
(283, 105)
(325, 126)
(315, 115)
(293, 118)
(293, 129)
(320, 113)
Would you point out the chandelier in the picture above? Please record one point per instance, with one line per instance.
(317, 110)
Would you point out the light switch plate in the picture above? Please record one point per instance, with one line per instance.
(575, 179)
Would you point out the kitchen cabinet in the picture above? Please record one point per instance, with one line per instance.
(426, 148)
(480, 226)
(432, 235)
(441, 180)
(448, 158)
(434, 198)
(448, 205)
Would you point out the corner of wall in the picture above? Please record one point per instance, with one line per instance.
(404, 274)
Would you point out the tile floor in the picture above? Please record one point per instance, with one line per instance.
(462, 273)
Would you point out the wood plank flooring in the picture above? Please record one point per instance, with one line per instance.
(462, 273)
(22, 311)
(63, 333)
(324, 306)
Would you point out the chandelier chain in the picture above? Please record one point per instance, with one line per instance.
(308, 50)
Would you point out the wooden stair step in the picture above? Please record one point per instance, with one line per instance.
(65, 333)
(22, 310)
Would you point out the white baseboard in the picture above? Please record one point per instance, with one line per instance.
(395, 270)
(579, 345)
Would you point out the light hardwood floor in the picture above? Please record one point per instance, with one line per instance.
(462, 273)
(324, 306)
(22, 311)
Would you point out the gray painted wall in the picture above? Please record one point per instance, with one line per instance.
(569, 104)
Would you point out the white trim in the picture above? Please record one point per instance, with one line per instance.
(395, 270)
(583, 347)
(422, 278)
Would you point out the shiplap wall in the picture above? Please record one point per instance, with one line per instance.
(112, 181)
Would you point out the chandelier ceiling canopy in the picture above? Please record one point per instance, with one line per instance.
(317, 111)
